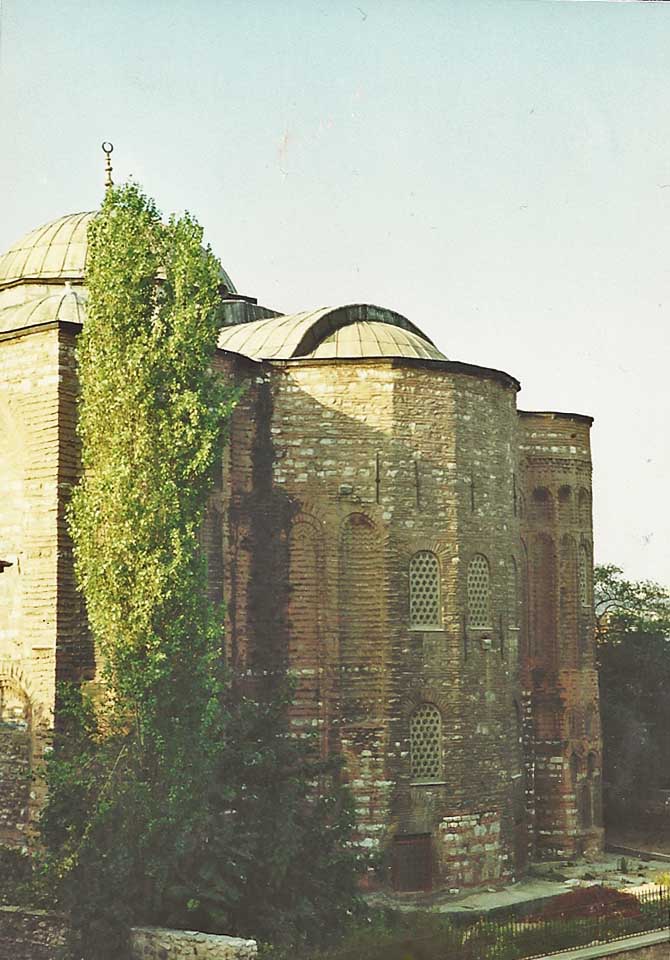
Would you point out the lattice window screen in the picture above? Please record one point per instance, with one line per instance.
(425, 736)
(424, 590)
(479, 604)
(583, 577)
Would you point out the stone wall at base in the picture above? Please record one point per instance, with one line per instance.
(39, 935)
(158, 943)
(30, 934)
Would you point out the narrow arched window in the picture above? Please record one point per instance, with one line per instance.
(425, 744)
(479, 592)
(583, 576)
(424, 590)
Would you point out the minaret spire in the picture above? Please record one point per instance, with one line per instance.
(107, 149)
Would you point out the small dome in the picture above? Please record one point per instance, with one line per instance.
(56, 251)
(373, 339)
(348, 332)
(69, 306)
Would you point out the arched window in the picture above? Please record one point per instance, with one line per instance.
(425, 744)
(512, 593)
(424, 590)
(479, 592)
(583, 576)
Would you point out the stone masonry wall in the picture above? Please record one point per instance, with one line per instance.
(40, 935)
(29, 445)
(158, 943)
(379, 461)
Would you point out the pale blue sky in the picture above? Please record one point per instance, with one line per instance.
(498, 171)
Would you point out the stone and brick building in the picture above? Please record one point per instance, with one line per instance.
(386, 523)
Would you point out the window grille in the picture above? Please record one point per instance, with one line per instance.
(479, 613)
(583, 577)
(424, 590)
(425, 737)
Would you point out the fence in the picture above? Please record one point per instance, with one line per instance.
(525, 938)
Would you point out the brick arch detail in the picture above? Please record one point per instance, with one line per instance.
(419, 695)
(443, 551)
(12, 673)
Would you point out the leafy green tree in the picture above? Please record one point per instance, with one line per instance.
(173, 797)
(633, 649)
(623, 607)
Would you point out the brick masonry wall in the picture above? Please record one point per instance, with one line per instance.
(559, 674)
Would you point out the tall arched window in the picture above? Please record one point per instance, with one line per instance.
(425, 744)
(479, 592)
(424, 590)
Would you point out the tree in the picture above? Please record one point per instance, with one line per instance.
(623, 606)
(173, 797)
(633, 650)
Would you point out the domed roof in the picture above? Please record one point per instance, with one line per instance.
(57, 251)
(54, 251)
(348, 332)
(70, 305)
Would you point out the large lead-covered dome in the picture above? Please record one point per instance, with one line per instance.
(56, 252)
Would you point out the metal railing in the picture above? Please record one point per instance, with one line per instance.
(527, 938)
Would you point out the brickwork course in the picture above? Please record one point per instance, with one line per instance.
(387, 526)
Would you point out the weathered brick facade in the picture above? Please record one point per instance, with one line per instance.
(389, 528)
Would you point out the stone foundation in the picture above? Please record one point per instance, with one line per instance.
(157, 943)
(39, 935)
(470, 851)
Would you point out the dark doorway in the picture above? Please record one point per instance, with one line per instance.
(412, 862)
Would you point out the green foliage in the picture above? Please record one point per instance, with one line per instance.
(624, 607)
(173, 798)
(633, 653)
